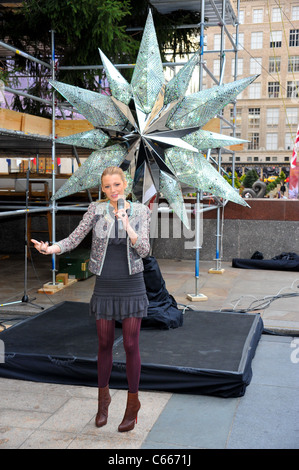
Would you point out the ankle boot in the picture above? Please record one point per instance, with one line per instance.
(133, 406)
(104, 400)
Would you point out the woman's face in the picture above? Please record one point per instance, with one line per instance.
(113, 186)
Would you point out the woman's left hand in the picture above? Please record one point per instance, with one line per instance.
(122, 215)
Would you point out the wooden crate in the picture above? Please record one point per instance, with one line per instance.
(11, 120)
(64, 128)
(36, 125)
(29, 124)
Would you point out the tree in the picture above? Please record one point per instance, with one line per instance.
(81, 27)
(228, 178)
(250, 178)
(279, 180)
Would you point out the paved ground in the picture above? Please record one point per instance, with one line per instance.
(39, 415)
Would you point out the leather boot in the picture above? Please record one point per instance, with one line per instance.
(104, 400)
(130, 416)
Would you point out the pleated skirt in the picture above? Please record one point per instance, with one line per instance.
(117, 299)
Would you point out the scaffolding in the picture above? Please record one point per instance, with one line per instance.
(213, 13)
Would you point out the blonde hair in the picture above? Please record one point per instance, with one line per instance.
(113, 170)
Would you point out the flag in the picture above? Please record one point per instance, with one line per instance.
(294, 170)
(58, 161)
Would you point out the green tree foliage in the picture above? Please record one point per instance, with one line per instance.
(279, 180)
(81, 27)
(228, 178)
(250, 178)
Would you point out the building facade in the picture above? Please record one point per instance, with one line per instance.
(267, 112)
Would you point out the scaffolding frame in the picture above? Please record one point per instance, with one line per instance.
(220, 9)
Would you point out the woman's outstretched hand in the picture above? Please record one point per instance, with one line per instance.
(44, 248)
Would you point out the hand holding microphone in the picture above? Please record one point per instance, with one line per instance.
(121, 214)
(123, 221)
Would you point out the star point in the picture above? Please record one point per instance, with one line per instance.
(152, 128)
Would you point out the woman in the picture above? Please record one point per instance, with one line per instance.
(119, 291)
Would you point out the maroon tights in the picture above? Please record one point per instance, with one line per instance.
(130, 329)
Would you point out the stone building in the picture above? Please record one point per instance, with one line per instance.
(266, 113)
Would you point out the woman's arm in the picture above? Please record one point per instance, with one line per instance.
(44, 248)
(74, 239)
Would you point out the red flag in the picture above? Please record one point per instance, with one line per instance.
(294, 170)
(58, 161)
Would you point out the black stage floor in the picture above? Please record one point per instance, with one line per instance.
(210, 354)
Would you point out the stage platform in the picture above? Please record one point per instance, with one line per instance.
(210, 354)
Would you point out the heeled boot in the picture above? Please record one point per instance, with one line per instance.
(104, 400)
(130, 416)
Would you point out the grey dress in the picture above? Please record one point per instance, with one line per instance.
(117, 294)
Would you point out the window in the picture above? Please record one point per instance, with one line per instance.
(255, 65)
(254, 91)
(293, 89)
(216, 67)
(271, 141)
(217, 42)
(273, 89)
(257, 16)
(254, 118)
(240, 40)
(238, 116)
(292, 116)
(274, 64)
(276, 15)
(272, 117)
(268, 159)
(293, 63)
(255, 159)
(239, 66)
(257, 40)
(289, 141)
(249, 159)
(286, 159)
(241, 16)
(254, 138)
(294, 37)
(295, 13)
(275, 38)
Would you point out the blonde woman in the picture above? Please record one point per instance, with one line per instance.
(119, 291)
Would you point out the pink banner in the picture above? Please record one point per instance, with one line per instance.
(294, 170)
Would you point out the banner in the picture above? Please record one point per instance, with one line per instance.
(294, 170)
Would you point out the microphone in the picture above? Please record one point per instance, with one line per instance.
(120, 205)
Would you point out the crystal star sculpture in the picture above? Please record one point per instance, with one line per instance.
(152, 130)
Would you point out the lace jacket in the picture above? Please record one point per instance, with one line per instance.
(98, 219)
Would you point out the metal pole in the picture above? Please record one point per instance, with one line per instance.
(53, 159)
(22, 93)
(218, 269)
(118, 66)
(198, 297)
(24, 54)
(25, 298)
(235, 105)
